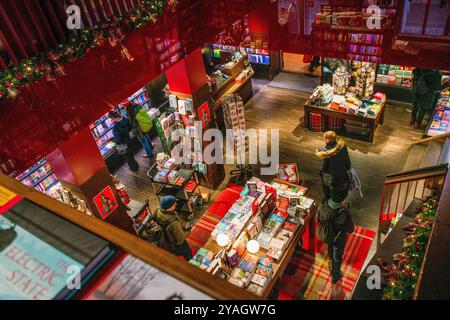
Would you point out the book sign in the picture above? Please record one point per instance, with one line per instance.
(105, 202)
(204, 114)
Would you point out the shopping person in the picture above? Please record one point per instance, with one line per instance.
(141, 124)
(335, 223)
(425, 84)
(335, 164)
(174, 232)
(121, 132)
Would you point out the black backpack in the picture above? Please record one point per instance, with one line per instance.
(156, 232)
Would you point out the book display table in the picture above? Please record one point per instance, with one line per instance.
(178, 182)
(369, 122)
(276, 219)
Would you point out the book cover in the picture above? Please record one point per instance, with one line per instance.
(133, 279)
(39, 253)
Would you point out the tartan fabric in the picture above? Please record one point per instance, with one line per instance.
(335, 124)
(310, 278)
(317, 122)
(203, 228)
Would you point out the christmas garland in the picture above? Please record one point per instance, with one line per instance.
(51, 63)
(403, 271)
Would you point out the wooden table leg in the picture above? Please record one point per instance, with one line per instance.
(306, 119)
(372, 131)
(382, 116)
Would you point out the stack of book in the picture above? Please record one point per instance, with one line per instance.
(262, 276)
(322, 95)
(202, 259)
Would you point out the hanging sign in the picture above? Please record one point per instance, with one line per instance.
(204, 114)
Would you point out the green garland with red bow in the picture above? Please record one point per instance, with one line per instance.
(403, 280)
(50, 64)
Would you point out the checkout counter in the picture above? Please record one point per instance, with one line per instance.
(231, 77)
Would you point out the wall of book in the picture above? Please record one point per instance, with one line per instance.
(39, 177)
(440, 119)
(395, 75)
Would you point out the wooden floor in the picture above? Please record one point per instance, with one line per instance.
(294, 63)
(281, 109)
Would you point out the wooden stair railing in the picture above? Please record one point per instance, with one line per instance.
(429, 139)
(159, 258)
(400, 189)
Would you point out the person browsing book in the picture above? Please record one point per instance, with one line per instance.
(141, 124)
(174, 233)
(121, 131)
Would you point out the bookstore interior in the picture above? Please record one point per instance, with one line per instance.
(251, 236)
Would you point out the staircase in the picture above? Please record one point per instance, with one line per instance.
(422, 175)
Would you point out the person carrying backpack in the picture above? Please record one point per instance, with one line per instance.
(173, 236)
(141, 124)
(424, 86)
(334, 224)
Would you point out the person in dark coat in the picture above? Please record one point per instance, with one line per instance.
(336, 211)
(334, 165)
(175, 233)
(121, 132)
(425, 84)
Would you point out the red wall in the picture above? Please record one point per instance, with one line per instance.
(48, 113)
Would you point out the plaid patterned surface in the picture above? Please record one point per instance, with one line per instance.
(308, 277)
(202, 230)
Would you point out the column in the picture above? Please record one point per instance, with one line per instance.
(187, 79)
(80, 168)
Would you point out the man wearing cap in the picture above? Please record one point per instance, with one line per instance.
(335, 211)
(174, 232)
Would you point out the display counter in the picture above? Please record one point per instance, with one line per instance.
(369, 122)
(114, 264)
(263, 227)
(395, 82)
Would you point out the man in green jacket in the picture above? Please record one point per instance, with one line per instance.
(174, 231)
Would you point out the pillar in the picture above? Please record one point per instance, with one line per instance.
(187, 80)
(80, 168)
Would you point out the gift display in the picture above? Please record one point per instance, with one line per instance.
(365, 80)
(341, 80)
(395, 75)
